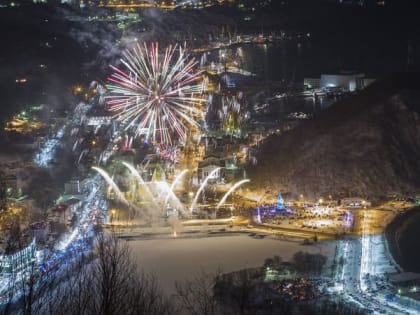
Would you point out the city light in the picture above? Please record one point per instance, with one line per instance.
(188, 105)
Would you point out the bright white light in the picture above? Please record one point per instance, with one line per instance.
(47, 152)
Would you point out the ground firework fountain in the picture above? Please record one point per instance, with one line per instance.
(173, 185)
(231, 190)
(110, 182)
(141, 181)
(202, 187)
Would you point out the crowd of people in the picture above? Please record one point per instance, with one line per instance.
(307, 217)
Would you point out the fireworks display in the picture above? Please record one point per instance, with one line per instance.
(232, 114)
(158, 95)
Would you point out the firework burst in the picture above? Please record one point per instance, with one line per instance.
(232, 115)
(156, 95)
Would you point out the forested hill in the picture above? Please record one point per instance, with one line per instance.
(365, 145)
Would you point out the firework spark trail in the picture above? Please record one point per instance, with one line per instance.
(157, 95)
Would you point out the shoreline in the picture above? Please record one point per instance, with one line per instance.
(393, 233)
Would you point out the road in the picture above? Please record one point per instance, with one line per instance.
(299, 232)
(362, 265)
(71, 242)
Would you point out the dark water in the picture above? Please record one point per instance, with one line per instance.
(278, 61)
(292, 60)
(281, 61)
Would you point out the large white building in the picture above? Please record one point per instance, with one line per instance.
(346, 81)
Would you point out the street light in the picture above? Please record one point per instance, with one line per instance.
(223, 58)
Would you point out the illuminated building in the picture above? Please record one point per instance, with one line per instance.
(207, 166)
(346, 81)
(18, 261)
(362, 2)
(161, 4)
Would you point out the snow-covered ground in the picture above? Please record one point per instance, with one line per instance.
(177, 259)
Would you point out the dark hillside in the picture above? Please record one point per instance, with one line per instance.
(367, 145)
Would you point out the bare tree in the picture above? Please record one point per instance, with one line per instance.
(209, 294)
(308, 263)
(106, 282)
(241, 291)
(28, 289)
(112, 284)
(196, 297)
(74, 293)
(274, 262)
